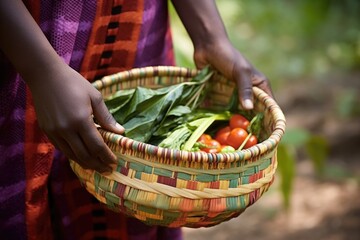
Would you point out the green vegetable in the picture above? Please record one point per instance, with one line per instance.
(179, 135)
(147, 112)
(255, 125)
(118, 100)
(184, 137)
(227, 149)
(204, 125)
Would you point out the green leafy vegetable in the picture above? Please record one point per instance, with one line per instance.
(184, 137)
(146, 112)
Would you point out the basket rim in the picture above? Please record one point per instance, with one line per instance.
(260, 149)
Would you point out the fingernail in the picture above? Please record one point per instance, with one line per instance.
(121, 128)
(247, 103)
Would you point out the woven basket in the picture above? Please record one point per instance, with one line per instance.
(176, 188)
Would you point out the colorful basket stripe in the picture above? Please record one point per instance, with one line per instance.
(178, 188)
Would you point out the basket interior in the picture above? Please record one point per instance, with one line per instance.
(218, 96)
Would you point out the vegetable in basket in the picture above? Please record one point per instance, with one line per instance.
(231, 137)
(146, 112)
(168, 117)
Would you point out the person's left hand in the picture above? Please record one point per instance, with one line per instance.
(231, 63)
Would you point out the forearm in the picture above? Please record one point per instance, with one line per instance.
(23, 42)
(202, 21)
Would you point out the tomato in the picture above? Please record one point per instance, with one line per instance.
(223, 130)
(238, 121)
(213, 146)
(236, 137)
(251, 141)
(222, 134)
(204, 137)
(222, 137)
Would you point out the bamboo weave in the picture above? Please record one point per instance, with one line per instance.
(176, 188)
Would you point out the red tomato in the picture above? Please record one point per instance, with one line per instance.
(222, 137)
(223, 130)
(213, 146)
(238, 121)
(222, 134)
(236, 137)
(204, 138)
(251, 142)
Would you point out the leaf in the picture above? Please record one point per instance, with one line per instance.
(256, 124)
(296, 137)
(116, 101)
(143, 99)
(172, 119)
(318, 150)
(202, 127)
(205, 123)
(286, 167)
(176, 138)
(148, 110)
(179, 135)
(142, 126)
(179, 110)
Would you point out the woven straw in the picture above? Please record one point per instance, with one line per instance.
(176, 188)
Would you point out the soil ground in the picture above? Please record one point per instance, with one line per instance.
(325, 208)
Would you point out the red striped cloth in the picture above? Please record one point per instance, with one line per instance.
(44, 199)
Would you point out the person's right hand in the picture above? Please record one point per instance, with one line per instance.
(65, 104)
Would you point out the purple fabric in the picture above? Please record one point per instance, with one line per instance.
(67, 25)
(12, 171)
(153, 47)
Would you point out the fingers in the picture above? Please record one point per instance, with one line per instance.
(103, 116)
(84, 155)
(242, 76)
(85, 146)
(96, 145)
(63, 146)
(246, 76)
(262, 82)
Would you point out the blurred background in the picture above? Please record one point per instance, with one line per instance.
(310, 51)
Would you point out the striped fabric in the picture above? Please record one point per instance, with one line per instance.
(40, 197)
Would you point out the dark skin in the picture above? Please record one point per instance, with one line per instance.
(65, 102)
(212, 46)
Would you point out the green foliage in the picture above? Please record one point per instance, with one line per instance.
(144, 110)
(348, 103)
(296, 137)
(316, 148)
(287, 40)
(286, 167)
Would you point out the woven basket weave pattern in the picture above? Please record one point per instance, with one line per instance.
(177, 188)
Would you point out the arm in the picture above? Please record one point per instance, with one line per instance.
(64, 101)
(212, 46)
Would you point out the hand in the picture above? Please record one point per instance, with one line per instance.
(229, 62)
(64, 103)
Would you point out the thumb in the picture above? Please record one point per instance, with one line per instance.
(244, 84)
(103, 116)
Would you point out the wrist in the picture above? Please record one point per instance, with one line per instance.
(42, 69)
(207, 36)
(201, 20)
